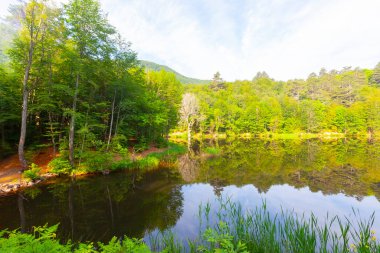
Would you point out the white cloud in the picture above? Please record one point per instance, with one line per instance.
(286, 38)
(4, 7)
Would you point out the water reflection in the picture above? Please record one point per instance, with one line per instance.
(277, 198)
(98, 208)
(310, 176)
(351, 167)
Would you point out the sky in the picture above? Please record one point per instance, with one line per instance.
(286, 38)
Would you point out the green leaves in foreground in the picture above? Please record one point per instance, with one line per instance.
(43, 239)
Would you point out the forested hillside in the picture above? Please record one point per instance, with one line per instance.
(345, 101)
(183, 79)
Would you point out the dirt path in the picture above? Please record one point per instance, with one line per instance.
(10, 167)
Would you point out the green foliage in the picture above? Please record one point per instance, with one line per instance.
(60, 166)
(146, 162)
(42, 240)
(94, 161)
(117, 102)
(338, 101)
(127, 245)
(122, 164)
(118, 145)
(33, 173)
(141, 146)
(212, 150)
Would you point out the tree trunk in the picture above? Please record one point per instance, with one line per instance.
(189, 134)
(21, 209)
(117, 121)
(24, 113)
(71, 208)
(84, 138)
(111, 208)
(111, 123)
(72, 124)
(52, 134)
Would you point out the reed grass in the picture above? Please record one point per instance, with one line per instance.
(232, 229)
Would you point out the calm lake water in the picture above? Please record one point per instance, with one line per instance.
(323, 177)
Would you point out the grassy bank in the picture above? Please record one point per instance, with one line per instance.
(100, 162)
(230, 229)
(152, 160)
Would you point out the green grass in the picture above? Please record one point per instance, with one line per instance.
(229, 229)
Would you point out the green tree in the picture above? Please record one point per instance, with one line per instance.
(26, 46)
(90, 33)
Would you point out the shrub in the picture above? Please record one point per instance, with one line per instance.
(161, 142)
(122, 164)
(97, 161)
(42, 240)
(127, 245)
(33, 173)
(149, 161)
(60, 166)
(141, 146)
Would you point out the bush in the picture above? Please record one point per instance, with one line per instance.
(127, 245)
(161, 142)
(141, 146)
(122, 164)
(60, 166)
(42, 240)
(97, 161)
(33, 173)
(149, 161)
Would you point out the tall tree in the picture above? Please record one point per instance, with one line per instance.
(33, 29)
(217, 82)
(90, 33)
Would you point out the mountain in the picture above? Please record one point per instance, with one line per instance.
(183, 79)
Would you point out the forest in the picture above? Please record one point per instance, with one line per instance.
(69, 80)
(345, 101)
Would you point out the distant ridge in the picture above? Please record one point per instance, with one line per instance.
(183, 79)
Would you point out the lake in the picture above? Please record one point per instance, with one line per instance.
(335, 177)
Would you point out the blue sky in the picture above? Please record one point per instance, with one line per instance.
(286, 38)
